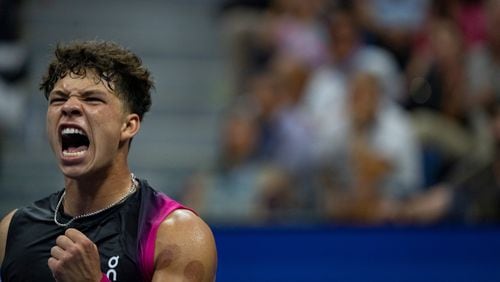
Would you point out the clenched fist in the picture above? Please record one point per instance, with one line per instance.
(75, 258)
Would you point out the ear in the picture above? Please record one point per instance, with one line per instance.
(130, 127)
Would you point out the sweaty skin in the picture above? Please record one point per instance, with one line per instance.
(185, 249)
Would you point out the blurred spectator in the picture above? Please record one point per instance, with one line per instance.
(294, 29)
(445, 124)
(289, 27)
(263, 97)
(293, 131)
(392, 24)
(276, 96)
(374, 163)
(325, 94)
(468, 15)
(471, 21)
(470, 195)
(241, 20)
(293, 150)
(442, 71)
(484, 61)
(242, 188)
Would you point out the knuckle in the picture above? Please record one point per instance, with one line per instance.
(59, 239)
(87, 244)
(68, 231)
(74, 249)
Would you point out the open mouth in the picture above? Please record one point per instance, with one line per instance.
(74, 142)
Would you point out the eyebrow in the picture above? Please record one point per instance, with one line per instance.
(83, 94)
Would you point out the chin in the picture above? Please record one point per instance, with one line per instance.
(73, 172)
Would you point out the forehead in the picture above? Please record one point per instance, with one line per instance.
(74, 83)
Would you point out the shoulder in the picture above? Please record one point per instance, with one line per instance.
(4, 229)
(185, 248)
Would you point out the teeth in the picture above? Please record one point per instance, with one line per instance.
(71, 130)
(73, 154)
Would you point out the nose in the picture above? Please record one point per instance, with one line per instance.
(72, 107)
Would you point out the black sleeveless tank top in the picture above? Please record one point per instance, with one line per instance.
(125, 236)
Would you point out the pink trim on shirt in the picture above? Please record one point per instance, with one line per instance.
(167, 206)
(104, 278)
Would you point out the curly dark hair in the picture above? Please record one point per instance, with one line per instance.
(117, 66)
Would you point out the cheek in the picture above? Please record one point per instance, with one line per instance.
(107, 134)
(50, 127)
(106, 125)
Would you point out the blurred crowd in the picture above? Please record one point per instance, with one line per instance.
(357, 112)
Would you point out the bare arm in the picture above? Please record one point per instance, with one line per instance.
(185, 249)
(4, 229)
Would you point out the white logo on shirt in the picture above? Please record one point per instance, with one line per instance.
(112, 264)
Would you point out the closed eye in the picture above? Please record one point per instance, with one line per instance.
(57, 100)
(94, 100)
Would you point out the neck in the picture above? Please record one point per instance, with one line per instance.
(95, 192)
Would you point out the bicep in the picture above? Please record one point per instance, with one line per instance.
(4, 229)
(185, 249)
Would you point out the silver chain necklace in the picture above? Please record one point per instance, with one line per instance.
(132, 189)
